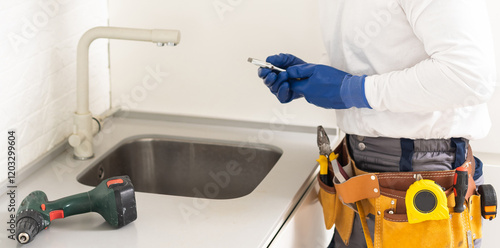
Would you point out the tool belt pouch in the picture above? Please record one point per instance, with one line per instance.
(382, 196)
(392, 228)
(452, 229)
(334, 211)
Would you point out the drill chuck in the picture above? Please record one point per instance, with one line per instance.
(28, 225)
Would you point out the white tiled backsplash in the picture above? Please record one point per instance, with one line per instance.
(38, 71)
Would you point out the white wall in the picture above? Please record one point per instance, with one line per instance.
(208, 73)
(37, 71)
(490, 143)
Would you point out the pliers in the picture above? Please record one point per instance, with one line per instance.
(326, 155)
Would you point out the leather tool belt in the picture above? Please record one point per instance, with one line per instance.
(383, 196)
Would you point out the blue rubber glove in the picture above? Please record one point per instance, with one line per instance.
(277, 81)
(321, 85)
(327, 87)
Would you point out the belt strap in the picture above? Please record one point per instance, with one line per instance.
(356, 188)
(393, 184)
(364, 225)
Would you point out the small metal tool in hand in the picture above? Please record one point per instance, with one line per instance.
(264, 64)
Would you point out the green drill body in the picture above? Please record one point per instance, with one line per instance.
(113, 199)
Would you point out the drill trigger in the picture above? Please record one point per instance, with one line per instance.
(56, 214)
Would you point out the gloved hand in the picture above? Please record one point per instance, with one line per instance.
(321, 85)
(325, 86)
(277, 81)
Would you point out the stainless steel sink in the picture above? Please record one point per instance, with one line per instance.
(184, 167)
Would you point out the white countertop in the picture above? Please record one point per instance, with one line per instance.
(248, 221)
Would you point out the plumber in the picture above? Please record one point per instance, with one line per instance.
(409, 81)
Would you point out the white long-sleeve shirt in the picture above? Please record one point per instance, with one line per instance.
(430, 65)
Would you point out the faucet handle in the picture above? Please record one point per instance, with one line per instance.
(76, 139)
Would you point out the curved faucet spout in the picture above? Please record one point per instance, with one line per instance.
(157, 36)
(81, 139)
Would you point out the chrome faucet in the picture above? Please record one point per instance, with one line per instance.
(84, 128)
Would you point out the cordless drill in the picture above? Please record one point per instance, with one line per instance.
(113, 199)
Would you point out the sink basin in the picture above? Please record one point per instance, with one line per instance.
(186, 167)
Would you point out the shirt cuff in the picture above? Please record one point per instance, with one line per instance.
(352, 92)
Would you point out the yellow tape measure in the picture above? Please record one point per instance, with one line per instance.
(426, 200)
